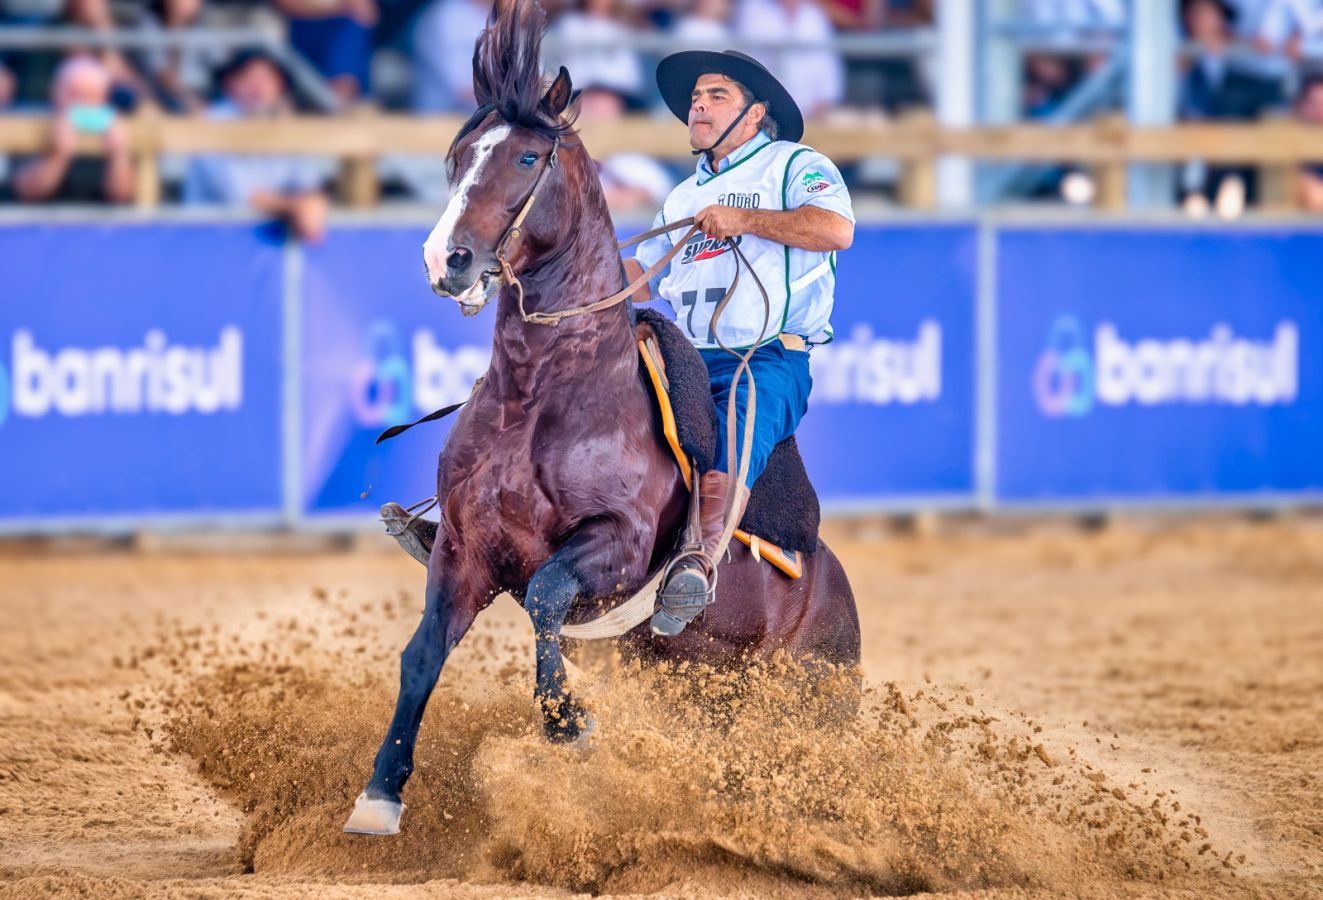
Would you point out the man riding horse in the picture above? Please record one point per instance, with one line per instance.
(787, 209)
(553, 486)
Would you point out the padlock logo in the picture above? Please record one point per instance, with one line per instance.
(381, 384)
(1064, 377)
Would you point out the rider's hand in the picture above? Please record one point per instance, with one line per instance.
(722, 222)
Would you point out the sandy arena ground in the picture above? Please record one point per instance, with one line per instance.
(1136, 711)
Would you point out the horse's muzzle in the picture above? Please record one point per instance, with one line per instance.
(470, 293)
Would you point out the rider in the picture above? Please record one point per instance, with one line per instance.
(787, 208)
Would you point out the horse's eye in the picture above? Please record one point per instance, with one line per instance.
(528, 159)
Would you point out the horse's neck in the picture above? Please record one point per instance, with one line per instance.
(597, 345)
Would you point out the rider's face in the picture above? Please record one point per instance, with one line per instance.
(713, 105)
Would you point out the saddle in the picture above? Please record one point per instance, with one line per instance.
(780, 523)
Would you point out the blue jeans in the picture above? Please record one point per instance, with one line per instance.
(783, 383)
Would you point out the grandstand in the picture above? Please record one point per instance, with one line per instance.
(951, 105)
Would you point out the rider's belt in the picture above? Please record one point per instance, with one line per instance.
(792, 341)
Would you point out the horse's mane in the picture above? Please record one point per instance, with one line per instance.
(507, 71)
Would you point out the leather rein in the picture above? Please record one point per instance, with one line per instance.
(515, 231)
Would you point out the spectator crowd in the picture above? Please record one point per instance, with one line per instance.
(1244, 60)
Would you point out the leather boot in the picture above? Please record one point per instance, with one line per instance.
(690, 587)
(415, 535)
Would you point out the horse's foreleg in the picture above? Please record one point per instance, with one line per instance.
(582, 567)
(446, 618)
(552, 591)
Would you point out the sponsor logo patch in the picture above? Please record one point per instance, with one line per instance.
(815, 181)
(701, 247)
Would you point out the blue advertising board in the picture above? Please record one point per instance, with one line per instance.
(891, 413)
(1158, 365)
(891, 416)
(378, 349)
(140, 372)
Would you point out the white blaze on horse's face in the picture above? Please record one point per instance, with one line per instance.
(437, 249)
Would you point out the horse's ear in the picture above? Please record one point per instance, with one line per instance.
(558, 95)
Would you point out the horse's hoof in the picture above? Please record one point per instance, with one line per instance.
(567, 728)
(374, 816)
(585, 733)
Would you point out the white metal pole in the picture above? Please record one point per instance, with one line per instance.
(957, 54)
(1154, 40)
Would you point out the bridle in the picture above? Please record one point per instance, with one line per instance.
(515, 230)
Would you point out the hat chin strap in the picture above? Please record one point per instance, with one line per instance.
(725, 134)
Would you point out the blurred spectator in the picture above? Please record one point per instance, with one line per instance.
(80, 97)
(336, 37)
(288, 188)
(632, 182)
(595, 46)
(34, 70)
(706, 25)
(895, 82)
(1049, 80)
(1287, 24)
(870, 15)
(443, 41)
(1217, 87)
(1051, 77)
(1309, 109)
(814, 76)
(183, 76)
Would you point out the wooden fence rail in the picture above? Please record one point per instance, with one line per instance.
(1106, 146)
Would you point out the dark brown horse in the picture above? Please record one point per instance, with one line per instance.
(555, 484)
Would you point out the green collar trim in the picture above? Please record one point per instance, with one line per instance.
(735, 165)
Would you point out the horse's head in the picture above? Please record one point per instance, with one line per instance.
(509, 149)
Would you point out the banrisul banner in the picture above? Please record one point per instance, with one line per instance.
(140, 373)
(891, 416)
(378, 349)
(1158, 365)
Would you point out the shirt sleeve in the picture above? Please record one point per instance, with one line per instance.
(653, 249)
(205, 182)
(813, 180)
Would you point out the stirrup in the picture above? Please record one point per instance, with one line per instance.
(399, 525)
(680, 604)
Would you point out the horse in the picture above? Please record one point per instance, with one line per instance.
(555, 484)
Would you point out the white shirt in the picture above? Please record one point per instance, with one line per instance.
(801, 284)
(814, 77)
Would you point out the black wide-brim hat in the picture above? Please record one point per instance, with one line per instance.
(678, 73)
